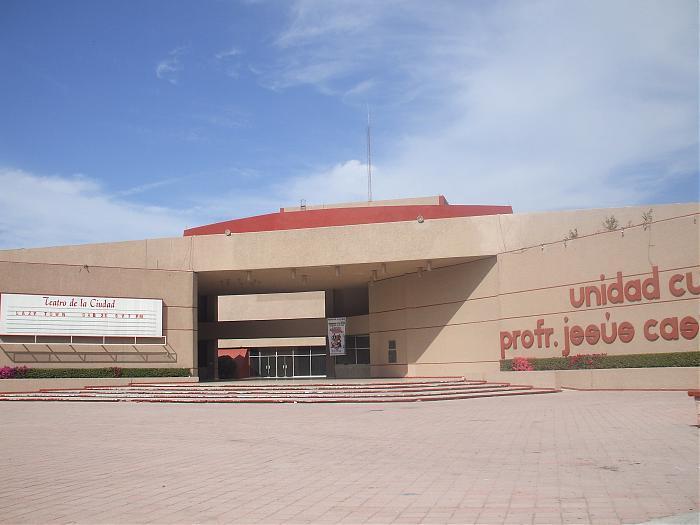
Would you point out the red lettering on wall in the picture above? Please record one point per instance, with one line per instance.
(669, 328)
(695, 290)
(689, 328)
(592, 334)
(590, 290)
(506, 342)
(633, 290)
(675, 279)
(576, 303)
(648, 325)
(613, 331)
(618, 291)
(625, 332)
(576, 335)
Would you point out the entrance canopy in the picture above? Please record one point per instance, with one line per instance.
(310, 278)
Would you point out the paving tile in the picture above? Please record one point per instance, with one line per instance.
(573, 457)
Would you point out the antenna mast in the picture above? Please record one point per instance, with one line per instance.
(369, 159)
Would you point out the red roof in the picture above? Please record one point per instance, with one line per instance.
(319, 218)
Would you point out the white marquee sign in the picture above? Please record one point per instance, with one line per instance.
(80, 316)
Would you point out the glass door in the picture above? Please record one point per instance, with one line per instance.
(268, 366)
(283, 362)
(302, 362)
(285, 366)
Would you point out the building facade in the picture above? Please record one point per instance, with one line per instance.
(427, 288)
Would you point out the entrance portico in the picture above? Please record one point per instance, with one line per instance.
(276, 318)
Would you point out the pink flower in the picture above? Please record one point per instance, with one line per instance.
(522, 364)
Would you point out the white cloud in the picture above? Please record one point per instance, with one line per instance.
(54, 210)
(359, 90)
(315, 19)
(148, 186)
(544, 104)
(229, 53)
(229, 61)
(169, 68)
(340, 183)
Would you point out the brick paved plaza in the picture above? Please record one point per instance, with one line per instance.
(572, 457)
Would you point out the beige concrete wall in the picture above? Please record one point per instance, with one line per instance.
(272, 341)
(521, 230)
(443, 322)
(352, 371)
(630, 379)
(301, 305)
(357, 325)
(537, 284)
(355, 244)
(156, 254)
(450, 321)
(603, 379)
(176, 289)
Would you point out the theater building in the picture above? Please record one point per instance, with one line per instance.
(426, 288)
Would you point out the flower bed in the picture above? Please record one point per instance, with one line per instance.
(598, 361)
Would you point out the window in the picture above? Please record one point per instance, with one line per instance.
(356, 351)
(392, 351)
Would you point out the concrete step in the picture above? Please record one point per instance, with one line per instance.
(307, 390)
(369, 392)
(302, 384)
(138, 393)
(70, 397)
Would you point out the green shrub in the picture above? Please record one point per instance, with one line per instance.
(585, 361)
(673, 359)
(44, 373)
(682, 359)
(111, 372)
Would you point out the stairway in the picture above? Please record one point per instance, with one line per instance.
(286, 392)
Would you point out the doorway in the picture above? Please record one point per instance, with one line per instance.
(287, 362)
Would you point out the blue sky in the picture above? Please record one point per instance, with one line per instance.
(127, 120)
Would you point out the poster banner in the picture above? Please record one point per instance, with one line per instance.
(24, 314)
(336, 335)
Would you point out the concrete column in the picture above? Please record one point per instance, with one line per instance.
(195, 324)
(213, 344)
(213, 358)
